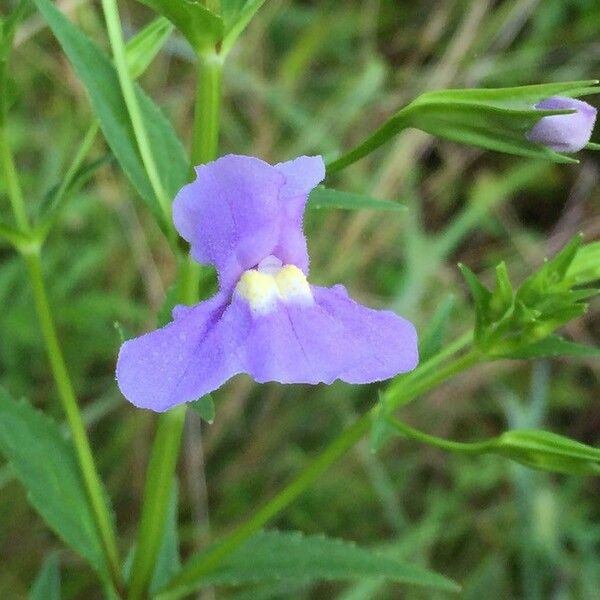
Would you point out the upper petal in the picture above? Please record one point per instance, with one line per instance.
(301, 176)
(240, 210)
(231, 214)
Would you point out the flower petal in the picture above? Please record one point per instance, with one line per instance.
(240, 210)
(335, 338)
(564, 133)
(231, 214)
(301, 176)
(160, 369)
(389, 341)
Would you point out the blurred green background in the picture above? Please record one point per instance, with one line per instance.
(316, 77)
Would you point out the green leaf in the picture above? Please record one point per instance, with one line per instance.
(230, 11)
(322, 197)
(201, 27)
(205, 407)
(481, 295)
(432, 339)
(145, 45)
(585, 267)
(13, 236)
(46, 465)
(237, 15)
(168, 562)
(274, 556)
(99, 77)
(47, 584)
(549, 452)
(553, 346)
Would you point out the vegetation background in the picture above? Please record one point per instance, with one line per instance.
(316, 77)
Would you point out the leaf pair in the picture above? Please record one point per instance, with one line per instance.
(520, 324)
(207, 31)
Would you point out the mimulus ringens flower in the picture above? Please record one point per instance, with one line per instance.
(244, 216)
(564, 133)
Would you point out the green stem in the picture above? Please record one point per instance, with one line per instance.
(9, 169)
(389, 129)
(420, 436)
(425, 379)
(206, 113)
(82, 151)
(14, 236)
(67, 397)
(165, 449)
(91, 479)
(115, 35)
(161, 468)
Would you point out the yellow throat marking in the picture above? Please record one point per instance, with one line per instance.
(262, 288)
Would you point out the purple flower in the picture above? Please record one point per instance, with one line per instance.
(244, 216)
(564, 133)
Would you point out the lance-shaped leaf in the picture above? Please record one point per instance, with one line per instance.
(201, 27)
(45, 463)
(99, 77)
(237, 14)
(145, 45)
(291, 556)
(47, 584)
(322, 197)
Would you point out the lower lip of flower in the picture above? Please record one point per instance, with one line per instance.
(272, 282)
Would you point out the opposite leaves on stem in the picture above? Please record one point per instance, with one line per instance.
(520, 324)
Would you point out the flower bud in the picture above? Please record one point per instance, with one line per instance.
(564, 133)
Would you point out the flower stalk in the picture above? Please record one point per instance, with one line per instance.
(167, 442)
(207, 110)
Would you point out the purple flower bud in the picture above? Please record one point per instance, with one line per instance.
(564, 133)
